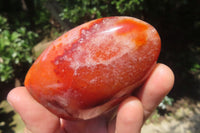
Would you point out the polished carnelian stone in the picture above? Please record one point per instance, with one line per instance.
(93, 67)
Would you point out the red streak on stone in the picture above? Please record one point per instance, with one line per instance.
(132, 26)
(63, 66)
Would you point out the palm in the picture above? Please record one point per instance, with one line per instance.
(129, 119)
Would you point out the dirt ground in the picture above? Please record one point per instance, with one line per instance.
(10, 121)
(183, 118)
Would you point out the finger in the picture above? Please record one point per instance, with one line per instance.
(130, 116)
(156, 88)
(36, 118)
(94, 125)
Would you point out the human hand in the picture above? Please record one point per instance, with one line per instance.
(130, 117)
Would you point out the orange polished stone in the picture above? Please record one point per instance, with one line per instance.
(93, 67)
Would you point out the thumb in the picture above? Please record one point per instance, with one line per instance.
(36, 118)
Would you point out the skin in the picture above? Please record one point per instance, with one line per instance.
(130, 115)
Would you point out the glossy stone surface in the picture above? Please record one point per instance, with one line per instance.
(93, 67)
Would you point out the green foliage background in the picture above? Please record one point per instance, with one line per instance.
(82, 10)
(15, 49)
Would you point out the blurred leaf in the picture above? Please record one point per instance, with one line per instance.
(15, 49)
(166, 101)
(14, 36)
(195, 67)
